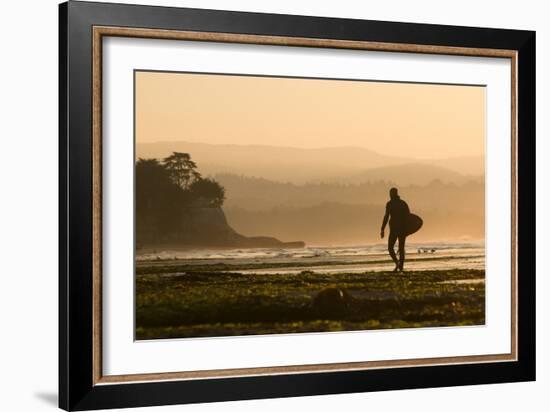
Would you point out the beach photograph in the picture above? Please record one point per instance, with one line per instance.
(280, 205)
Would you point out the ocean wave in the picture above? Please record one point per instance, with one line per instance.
(315, 252)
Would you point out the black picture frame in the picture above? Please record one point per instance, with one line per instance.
(77, 390)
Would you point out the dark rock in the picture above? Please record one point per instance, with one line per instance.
(331, 301)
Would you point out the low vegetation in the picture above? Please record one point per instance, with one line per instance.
(204, 301)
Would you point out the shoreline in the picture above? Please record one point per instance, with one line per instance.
(143, 250)
(318, 265)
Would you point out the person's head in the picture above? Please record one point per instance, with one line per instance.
(393, 193)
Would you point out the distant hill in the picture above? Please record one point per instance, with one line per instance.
(406, 174)
(297, 165)
(466, 165)
(262, 194)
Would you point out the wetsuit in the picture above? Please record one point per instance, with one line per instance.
(397, 211)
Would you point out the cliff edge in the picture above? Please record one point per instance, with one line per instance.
(201, 226)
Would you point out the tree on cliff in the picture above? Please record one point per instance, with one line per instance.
(209, 190)
(164, 189)
(181, 169)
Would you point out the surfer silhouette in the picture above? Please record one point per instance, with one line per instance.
(397, 212)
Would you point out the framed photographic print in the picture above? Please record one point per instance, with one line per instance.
(257, 205)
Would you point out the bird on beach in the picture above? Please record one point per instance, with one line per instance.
(422, 250)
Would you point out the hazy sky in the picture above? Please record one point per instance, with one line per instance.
(400, 119)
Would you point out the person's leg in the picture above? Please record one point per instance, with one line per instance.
(401, 251)
(392, 238)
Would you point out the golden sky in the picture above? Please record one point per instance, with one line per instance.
(399, 119)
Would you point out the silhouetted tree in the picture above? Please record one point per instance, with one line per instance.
(209, 190)
(182, 170)
(158, 199)
(164, 189)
